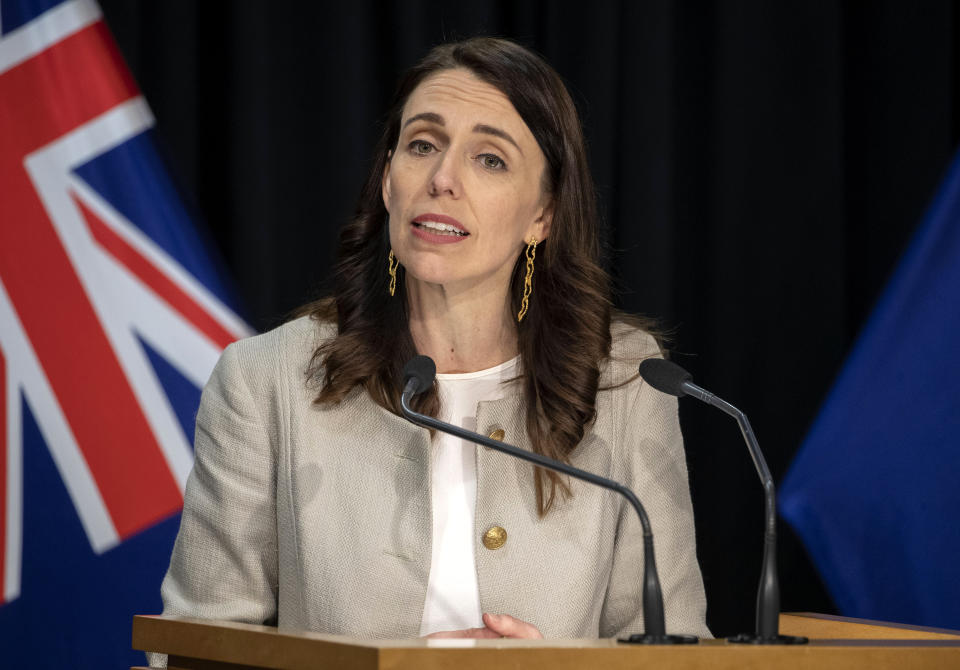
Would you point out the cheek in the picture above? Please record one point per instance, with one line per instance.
(511, 211)
(390, 190)
(401, 184)
(392, 231)
(503, 235)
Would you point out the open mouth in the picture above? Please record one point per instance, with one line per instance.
(440, 228)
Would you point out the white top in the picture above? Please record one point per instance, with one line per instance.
(453, 595)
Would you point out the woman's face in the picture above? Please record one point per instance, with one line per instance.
(464, 185)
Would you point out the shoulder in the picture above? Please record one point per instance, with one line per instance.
(630, 343)
(303, 335)
(286, 349)
(644, 419)
(631, 338)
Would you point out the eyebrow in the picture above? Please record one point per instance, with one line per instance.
(433, 117)
(496, 132)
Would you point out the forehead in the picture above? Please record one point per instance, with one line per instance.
(459, 95)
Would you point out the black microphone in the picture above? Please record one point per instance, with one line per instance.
(418, 375)
(668, 377)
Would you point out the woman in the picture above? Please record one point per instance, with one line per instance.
(313, 504)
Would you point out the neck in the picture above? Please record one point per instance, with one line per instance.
(461, 329)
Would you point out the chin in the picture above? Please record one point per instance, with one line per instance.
(431, 274)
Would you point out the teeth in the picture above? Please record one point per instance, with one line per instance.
(441, 227)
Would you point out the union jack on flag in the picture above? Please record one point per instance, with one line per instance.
(112, 316)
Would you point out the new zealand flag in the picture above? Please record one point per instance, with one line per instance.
(874, 490)
(112, 315)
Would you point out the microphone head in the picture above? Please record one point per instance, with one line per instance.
(423, 370)
(665, 376)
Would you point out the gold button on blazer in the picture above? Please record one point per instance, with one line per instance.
(495, 537)
(318, 517)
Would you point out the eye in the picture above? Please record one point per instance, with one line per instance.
(492, 162)
(421, 147)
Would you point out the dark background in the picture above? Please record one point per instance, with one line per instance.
(760, 165)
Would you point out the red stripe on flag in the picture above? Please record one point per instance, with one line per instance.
(41, 99)
(70, 83)
(3, 473)
(155, 279)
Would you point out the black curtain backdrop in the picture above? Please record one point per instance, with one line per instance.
(760, 165)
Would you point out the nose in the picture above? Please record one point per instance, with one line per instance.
(445, 179)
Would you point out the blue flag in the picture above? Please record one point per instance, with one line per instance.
(112, 316)
(874, 492)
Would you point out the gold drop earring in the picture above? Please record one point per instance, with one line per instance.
(531, 254)
(392, 265)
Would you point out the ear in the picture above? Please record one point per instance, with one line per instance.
(385, 182)
(541, 226)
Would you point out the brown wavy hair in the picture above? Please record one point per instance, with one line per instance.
(565, 336)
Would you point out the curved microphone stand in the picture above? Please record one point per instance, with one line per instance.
(418, 376)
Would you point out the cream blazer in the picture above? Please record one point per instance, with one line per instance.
(318, 517)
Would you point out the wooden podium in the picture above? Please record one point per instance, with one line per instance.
(835, 642)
